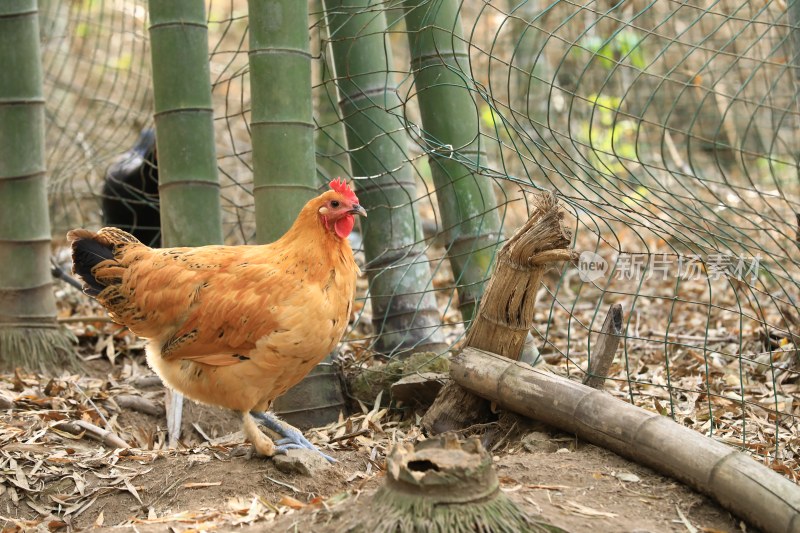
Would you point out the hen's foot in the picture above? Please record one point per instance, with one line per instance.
(291, 438)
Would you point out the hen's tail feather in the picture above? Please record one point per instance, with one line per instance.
(86, 253)
(90, 249)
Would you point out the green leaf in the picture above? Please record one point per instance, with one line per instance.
(487, 116)
(122, 62)
(81, 30)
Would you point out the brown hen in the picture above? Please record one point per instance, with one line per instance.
(234, 326)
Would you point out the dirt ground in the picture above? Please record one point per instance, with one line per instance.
(570, 484)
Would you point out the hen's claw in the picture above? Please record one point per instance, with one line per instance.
(281, 449)
(292, 438)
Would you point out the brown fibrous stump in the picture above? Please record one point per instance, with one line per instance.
(443, 484)
(506, 311)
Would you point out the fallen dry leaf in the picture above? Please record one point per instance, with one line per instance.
(200, 485)
(627, 476)
(585, 511)
(288, 501)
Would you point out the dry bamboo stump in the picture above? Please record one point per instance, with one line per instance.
(443, 484)
(506, 311)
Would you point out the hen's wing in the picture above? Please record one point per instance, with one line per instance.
(230, 311)
(206, 304)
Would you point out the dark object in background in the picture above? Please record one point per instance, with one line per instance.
(130, 192)
(60, 273)
(314, 402)
(797, 231)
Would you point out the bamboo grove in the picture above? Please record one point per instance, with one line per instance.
(406, 317)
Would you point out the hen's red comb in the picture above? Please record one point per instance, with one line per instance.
(341, 186)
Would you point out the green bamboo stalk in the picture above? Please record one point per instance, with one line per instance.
(450, 120)
(404, 309)
(285, 106)
(282, 126)
(794, 61)
(528, 64)
(330, 140)
(29, 332)
(794, 42)
(187, 162)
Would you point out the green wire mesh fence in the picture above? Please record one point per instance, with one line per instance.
(668, 130)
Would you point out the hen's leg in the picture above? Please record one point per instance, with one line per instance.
(291, 437)
(263, 444)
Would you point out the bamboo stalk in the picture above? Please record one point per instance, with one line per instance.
(405, 313)
(29, 333)
(602, 355)
(794, 61)
(139, 403)
(187, 163)
(443, 485)
(450, 120)
(282, 127)
(528, 65)
(81, 428)
(747, 489)
(147, 382)
(330, 140)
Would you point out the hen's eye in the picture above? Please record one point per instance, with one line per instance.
(334, 204)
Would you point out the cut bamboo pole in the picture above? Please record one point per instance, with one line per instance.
(404, 310)
(602, 355)
(83, 428)
(138, 403)
(187, 162)
(506, 311)
(29, 332)
(282, 127)
(747, 489)
(451, 129)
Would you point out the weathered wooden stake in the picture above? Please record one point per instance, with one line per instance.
(602, 355)
(506, 310)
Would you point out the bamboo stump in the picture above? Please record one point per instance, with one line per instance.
(506, 310)
(441, 485)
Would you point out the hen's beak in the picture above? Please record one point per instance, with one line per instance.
(358, 210)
